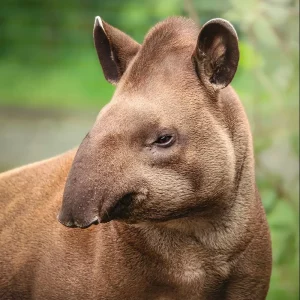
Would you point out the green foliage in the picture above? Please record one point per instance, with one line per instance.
(47, 60)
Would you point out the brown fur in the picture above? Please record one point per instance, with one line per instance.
(180, 222)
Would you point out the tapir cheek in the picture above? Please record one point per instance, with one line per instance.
(166, 197)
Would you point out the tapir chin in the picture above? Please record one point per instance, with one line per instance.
(159, 201)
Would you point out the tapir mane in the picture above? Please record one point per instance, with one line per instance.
(173, 35)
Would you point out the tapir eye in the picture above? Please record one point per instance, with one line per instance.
(165, 140)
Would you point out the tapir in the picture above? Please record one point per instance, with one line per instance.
(160, 200)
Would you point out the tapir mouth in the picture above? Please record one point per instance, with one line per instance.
(70, 222)
(73, 224)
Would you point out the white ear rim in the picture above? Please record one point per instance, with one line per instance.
(98, 22)
(225, 22)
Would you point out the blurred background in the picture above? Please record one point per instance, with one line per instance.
(52, 87)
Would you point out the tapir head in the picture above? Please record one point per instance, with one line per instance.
(161, 149)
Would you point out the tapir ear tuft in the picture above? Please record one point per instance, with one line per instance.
(217, 53)
(115, 50)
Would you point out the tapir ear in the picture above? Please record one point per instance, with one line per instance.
(115, 50)
(217, 53)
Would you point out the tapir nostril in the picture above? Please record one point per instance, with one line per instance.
(120, 209)
(126, 199)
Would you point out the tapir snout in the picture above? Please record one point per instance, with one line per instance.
(94, 192)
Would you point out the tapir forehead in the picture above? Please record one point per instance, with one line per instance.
(164, 100)
(127, 117)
